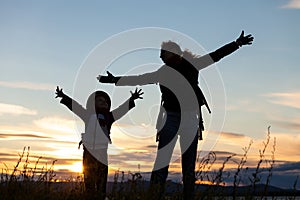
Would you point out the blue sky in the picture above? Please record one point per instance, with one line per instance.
(43, 44)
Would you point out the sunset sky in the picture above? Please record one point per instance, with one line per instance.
(48, 43)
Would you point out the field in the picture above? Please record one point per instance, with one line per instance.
(31, 182)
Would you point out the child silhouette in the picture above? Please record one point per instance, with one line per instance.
(98, 120)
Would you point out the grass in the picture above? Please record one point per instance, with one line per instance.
(31, 182)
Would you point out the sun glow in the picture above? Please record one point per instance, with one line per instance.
(204, 182)
(76, 167)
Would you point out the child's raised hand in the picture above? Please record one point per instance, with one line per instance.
(59, 92)
(137, 94)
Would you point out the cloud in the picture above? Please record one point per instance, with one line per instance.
(287, 146)
(28, 85)
(244, 105)
(65, 161)
(291, 99)
(130, 161)
(289, 125)
(232, 135)
(282, 175)
(15, 110)
(9, 160)
(6, 154)
(21, 133)
(229, 140)
(292, 4)
(56, 124)
(5, 135)
(235, 143)
(239, 104)
(288, 166)
(7, 157)
(135, 137)
(151, 146)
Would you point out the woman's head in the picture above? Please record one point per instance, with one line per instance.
(170, 52)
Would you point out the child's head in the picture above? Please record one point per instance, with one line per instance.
(98, 101)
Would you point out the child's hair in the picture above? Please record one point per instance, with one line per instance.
(90, 103)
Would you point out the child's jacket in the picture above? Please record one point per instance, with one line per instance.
(97, 125)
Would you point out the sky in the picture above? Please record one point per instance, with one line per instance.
(48, 43)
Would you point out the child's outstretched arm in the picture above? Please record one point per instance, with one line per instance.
(127, 105)
(70, 103)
